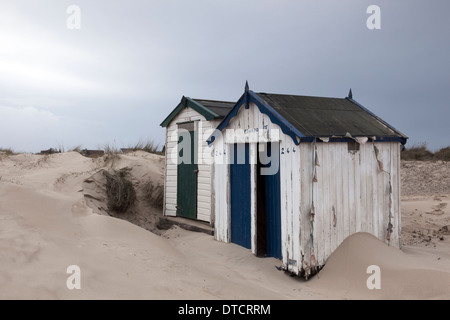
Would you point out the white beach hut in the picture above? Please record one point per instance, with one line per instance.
(295, 175)
(189, 169)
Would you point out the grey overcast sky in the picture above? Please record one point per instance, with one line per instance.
(115, 79)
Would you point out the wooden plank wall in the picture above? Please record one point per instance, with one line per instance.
(351, 195)
(221, 190)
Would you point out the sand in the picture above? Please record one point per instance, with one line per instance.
(53, 215)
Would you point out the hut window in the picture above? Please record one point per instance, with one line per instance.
(352, 146)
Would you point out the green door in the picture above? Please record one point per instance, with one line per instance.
(187, 172)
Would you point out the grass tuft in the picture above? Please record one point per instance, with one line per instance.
(7, 151)
(149, 146)
(119, 190)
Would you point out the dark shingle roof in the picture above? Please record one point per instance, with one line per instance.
(317, 116)
(221, 108)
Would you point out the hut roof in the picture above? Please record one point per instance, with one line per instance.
(318, 116)
(305, 118)
(210, 109)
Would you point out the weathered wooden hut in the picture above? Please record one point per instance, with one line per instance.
(189, 169)
(295, 175)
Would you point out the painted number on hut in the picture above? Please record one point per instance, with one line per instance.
(288, 150)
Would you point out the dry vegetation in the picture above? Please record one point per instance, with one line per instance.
(419, 152)
(148, 146)
(7, 151)
(154, 194)
(119, 190)
(127, 186)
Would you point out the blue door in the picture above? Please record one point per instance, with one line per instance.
(240, 195)
(273, 205)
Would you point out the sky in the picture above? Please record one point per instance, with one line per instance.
(114, 79)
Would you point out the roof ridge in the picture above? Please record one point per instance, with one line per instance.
(298, 95)
(197, 106)
(223, 101)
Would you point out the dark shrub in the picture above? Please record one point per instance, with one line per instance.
(119, 190)
(417, 152)
(442, 154)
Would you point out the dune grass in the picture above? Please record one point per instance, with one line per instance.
(78, 149)
(443, 154)
(120, 192)
(154, 194)
(7, 151)
(420, 152)
(149, 146)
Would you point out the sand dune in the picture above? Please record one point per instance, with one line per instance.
(403, 275)
(52, 218)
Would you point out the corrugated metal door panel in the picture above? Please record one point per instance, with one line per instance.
(273, 206)
(187, 177)
(240, 196)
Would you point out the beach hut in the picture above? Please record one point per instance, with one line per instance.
(295, 175)
(189, 169)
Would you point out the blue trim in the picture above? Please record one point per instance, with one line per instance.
(391, 139)
(227, 119)
(250, 97)
(377, 139)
